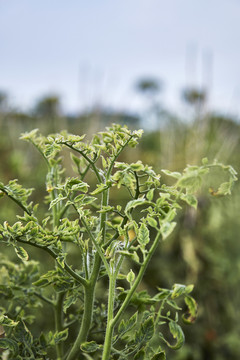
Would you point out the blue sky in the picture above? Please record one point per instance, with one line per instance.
(92, 51)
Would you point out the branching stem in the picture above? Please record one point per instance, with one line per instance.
(19, 203)
(90, 161)
(58, 314)
(68, 269)
(137, 280)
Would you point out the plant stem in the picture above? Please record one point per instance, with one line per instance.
(44, 298)
(109, 329)
(105, 198)
(68, 269)
(112, 320)
(19, 203)
(91, 162)
(97, 246)
(89, 290)
(137, 280)
(40, 151)
(117, 155)
(86, 322)
(59, 322)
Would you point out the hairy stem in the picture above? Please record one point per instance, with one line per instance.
(109, 329)
(137, 280)
(58, 314)
(86, 322)
(89, 291)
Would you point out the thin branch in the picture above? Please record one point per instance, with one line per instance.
(68, 269)
(117, 155)
(137, 280)
(118, 212)
(124, 221)
(137, 190)
(85, 157)
(40, 151)
(84, 172)
(98, 248)
(132, 196)
(44, 298)
(3, 189)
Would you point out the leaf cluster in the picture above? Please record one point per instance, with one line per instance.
(112, 241)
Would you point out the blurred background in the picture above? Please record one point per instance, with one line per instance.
(169, 67)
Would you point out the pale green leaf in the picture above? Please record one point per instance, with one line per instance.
(152, 222)
(100, 188)
(21, 253)
(191, 315)
(5, 321)
(127, 325)
(130, 276)
(225, 188)
(167, 228)
(104, 163)
(177, 334)
(29, 135)
(150, 194)
(191, 181)
(143, 235)
(174, 174)
(89, 347)
(57, 200)
(138, 166)
(146, 331)
(190, 200)
(60, 336)
(133, 204)
(178, 290)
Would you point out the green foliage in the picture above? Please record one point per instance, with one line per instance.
(85, 217)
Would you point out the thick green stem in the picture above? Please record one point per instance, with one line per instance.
(109, 330)
(58, 313)
(89, 291)
(86, 323)
(89, 295)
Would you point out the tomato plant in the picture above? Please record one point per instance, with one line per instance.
(101, 228)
